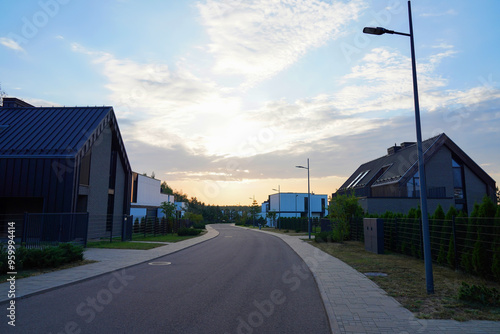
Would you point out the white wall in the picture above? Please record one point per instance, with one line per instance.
(148, 192)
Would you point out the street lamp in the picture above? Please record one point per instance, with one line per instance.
(308, 198)
(279, 206)
(421, 169)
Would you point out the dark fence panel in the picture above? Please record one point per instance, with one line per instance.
(44, 229)
(151, 227)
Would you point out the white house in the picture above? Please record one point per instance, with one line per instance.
(295, 205)
(181, 208)
(147, 197)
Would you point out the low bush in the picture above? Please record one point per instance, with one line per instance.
(184, 231)
(479, 294)
(323, 237)
(200, 225)
(49, 257)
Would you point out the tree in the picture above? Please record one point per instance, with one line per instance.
(498, 196)
(168, 209)
(2, 94)
(166, 189)
(341, 209)
(254, 210)
(271, 215)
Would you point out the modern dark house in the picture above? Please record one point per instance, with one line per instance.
(391, 182)
(63, 160)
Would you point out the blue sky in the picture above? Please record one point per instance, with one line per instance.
(222, 99)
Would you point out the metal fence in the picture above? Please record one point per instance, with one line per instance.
(46, 229)
(469, 244)
(37, 230)
(298, 224)
(151, 226)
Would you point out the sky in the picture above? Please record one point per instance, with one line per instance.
(222, 99)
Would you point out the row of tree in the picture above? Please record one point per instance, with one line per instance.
(470, 243)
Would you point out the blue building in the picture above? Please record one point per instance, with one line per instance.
(294, 205)
(63, 160)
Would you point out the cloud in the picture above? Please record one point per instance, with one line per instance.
(11, 44)
(446, 13)
(257, 39)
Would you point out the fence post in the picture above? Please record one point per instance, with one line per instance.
(454, 231)
(395, 247)
(25, 228)
(421, 237)
(111, 229)
(86, 231)
(60, 228)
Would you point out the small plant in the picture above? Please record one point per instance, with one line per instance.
(479, 294)
(323, 237)
(184, 231)
(48, 257)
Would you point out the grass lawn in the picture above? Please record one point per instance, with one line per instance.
(165, 238)
(405, 281)
(122, 245)
(140, 245)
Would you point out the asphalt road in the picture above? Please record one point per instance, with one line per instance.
(242, 281)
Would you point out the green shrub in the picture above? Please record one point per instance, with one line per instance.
(479, 258)
(184, 231)
(323, 237)
(49, 257)
(495, 266)
(479, 294)
(450, 257)
(199, 225)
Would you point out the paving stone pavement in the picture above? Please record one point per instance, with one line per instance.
(354, 303)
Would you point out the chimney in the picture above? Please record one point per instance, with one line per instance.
(393, 149)
(14, 102)
(407, 144)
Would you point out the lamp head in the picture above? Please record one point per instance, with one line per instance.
(377, 31)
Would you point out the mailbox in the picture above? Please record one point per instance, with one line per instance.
(374, 235)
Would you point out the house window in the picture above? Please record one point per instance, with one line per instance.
(355, 182)
(413, 186)
(458, 187)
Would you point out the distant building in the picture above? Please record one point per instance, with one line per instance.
(391, 182)
(146, 197)
(63, 160)
(294, 205)
(181, 208)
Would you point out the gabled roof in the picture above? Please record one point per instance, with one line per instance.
(401, 165)
(58, 132)
(48, 131)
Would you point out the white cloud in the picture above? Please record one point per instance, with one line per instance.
(11, 44)
(257, 39)
(446, 13)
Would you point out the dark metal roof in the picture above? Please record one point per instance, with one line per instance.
(56, 131)
(403, 164)
(398, 165)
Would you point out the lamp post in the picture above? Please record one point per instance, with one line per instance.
(421, 169)
(279, 206)
(308, 198)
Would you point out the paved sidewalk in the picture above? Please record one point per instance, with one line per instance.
(109, 260)
(355, 304)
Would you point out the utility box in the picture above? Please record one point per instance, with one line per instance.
(374, 235)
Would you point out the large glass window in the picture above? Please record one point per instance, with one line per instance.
(458, 186)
